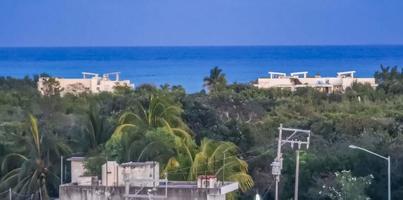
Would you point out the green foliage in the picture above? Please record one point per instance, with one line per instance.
(216, 82)
(51, 87)
(390, 80)
(156, 112)
(345, 186)
(33, 155)
(93, 165)
(188, 133)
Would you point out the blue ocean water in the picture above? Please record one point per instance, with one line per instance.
(188, 65)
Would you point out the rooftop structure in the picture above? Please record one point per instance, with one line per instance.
(340, 83)
(140, 180)
(90, 82)
(137, 173)
(77, 168)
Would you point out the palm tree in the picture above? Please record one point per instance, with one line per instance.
(390, 79)
(156, 113)
(34, 155)
(218, 158)
(98, 129)
(147, 132)
(216, 81)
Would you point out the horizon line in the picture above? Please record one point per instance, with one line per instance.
(151, 46)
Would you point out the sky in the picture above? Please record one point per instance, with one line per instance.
(199, 22)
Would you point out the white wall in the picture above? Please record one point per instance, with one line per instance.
(93, 85)
(77, 170)
(112, 174)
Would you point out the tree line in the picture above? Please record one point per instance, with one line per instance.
(227, 130)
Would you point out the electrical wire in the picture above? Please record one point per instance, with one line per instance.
(236, 156)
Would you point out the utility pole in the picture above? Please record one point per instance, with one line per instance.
(299, 137)
(223, 168)
(10, 194)
(61, 170)
(277, 164)
(296, 175)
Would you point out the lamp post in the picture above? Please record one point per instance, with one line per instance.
(380, 156)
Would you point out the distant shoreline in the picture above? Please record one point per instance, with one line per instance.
(210, 46)
(187, 66)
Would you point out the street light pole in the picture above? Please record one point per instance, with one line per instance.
(389, 185)
(380, 156)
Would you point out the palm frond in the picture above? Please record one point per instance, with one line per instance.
(244, 180)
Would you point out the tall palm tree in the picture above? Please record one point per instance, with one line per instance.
(33, 158)
(216, 81)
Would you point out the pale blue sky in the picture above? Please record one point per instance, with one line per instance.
(199, 22)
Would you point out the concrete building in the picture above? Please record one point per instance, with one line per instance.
(78, 172)
(139, 173)
(140, 180)
(77, 168)
(90, 82)
(340, 83)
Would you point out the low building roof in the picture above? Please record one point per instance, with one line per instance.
(138, 164)
(76, 159)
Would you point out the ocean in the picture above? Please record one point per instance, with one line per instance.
(187, 66)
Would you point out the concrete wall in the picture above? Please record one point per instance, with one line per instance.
(146, 175)
(370, 81)
(215, 197)
(74, 192)
(77, 170)
(278, 82)
(112, 174)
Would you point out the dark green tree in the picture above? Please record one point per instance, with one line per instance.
(216, 82)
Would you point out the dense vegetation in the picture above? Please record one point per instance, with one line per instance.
(189, 133)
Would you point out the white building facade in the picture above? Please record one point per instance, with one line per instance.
(90, 82)
(340, 83)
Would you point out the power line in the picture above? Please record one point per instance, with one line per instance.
(233, 156)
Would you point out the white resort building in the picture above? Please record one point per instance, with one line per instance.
(90, 82)
(296, 80)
